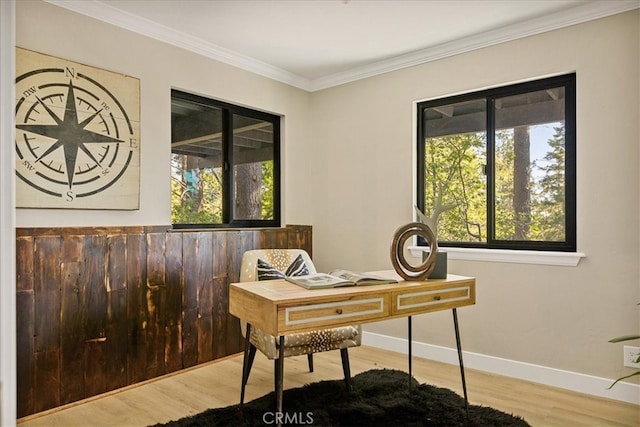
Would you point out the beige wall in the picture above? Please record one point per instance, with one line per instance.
(348, 157)
(159, 66)
(558, 317)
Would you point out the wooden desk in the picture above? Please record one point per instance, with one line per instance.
(280, 308)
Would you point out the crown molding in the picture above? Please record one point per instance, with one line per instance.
(582, 13)
(576, 15)
(114, 16)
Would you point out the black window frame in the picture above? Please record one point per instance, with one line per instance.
(568, 81)
(228, 182)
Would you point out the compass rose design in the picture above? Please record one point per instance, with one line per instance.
(77, 141)
(68, 134)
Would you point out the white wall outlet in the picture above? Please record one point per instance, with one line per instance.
(631, 355)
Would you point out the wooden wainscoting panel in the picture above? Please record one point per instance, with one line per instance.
(174, 280)
(274, 238)
(155, 294)
(25, 351)
(101, 308)
(202, 277)
(136, 268)
(299, 236)
(238, 242)
(96, 303)
(189, 300)
(117, 324)
(220, 306)
(73, 318)
(25, 325)
(46, 281)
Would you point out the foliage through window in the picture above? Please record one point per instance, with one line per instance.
(225, 164)
(498, 167)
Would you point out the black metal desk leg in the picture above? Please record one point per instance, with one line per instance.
(280, 375)
(464, 383)
(245, 362)
(410, 339)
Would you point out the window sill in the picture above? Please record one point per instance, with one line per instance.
(568, 259)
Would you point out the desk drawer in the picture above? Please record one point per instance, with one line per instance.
(334, 313)
(420, 301)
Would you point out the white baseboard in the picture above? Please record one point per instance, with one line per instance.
(568, 380)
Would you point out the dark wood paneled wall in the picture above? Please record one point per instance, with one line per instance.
(103, 308)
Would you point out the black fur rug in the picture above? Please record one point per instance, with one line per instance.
(379, 398)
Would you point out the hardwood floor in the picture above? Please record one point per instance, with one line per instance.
(217, 384)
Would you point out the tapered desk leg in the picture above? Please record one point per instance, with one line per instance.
(464, 383)
(409, 349)
(245, 362)
(280, 375)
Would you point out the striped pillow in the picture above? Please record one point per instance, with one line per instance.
(267, 272)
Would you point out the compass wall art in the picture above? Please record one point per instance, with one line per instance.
(77, 135)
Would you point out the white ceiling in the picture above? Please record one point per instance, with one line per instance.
(315, 44)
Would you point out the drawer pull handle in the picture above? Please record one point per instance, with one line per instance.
(338, 310)
(437, 297)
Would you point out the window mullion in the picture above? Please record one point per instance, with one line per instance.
(420, 159)
(227, 169)
(490, 170)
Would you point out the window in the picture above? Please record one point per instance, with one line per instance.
(225, 164)
(497, 168)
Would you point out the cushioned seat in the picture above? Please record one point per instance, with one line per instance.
(268, 264)
(307, 342)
